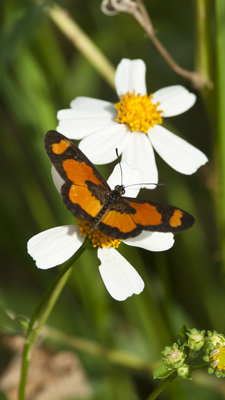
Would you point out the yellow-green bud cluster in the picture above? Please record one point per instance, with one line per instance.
(193, 343)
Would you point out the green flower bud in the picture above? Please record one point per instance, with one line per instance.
(217, 340)
(196, 339)
(173, 356)
(184, 371)
(214, 340)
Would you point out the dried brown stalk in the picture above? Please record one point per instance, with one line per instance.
(139, 12)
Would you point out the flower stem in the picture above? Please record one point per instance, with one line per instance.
(204, 47)
(220, 56)
(201, 366)
(47, 303)
(169, 379)
(161, 387)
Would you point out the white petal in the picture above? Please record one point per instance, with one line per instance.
(58, 181)
(54, 246)
(179, 154)
(78, 128)
(101, 146)
(130, 176)
(69, 113)
(120, 278)
(130, 75)
(76, 124)
(152, 241)
(174, 100)
(139, 153)
(94, 106)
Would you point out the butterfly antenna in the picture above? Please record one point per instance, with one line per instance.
(142, 183)
(121, 171)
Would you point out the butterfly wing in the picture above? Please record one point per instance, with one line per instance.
(84, 189)
(84, 193)
(129, 217)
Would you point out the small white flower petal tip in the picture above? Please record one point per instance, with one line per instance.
(54, 246)
(120, 278)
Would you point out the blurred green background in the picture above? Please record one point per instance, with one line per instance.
(40, 73)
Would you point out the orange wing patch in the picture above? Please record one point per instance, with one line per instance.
(81, 196)
(79, 172)
(60, 148)
(175, 220)
(146, 214)
(123, 222)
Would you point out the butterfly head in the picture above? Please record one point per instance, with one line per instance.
(118, 191)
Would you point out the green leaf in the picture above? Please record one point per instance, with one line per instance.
(7, 323)
(162, 371)
(182, 331)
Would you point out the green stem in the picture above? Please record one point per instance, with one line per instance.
(47, 302)
(220, 53)
(169, 379)
(161, 387)
(204, 39)
(201, 366)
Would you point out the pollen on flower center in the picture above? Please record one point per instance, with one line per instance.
(138, 112)
(97, 237)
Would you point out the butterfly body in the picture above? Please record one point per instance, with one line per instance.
(112, 197)
(88, 196)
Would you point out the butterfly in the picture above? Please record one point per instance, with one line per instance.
(89, 198)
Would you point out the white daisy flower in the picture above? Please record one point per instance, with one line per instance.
(57, 245)
(133, 125)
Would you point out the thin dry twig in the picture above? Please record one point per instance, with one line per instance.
(139, 12)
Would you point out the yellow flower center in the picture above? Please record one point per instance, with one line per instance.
(138, 112)
(97, 237)
(217, 358)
